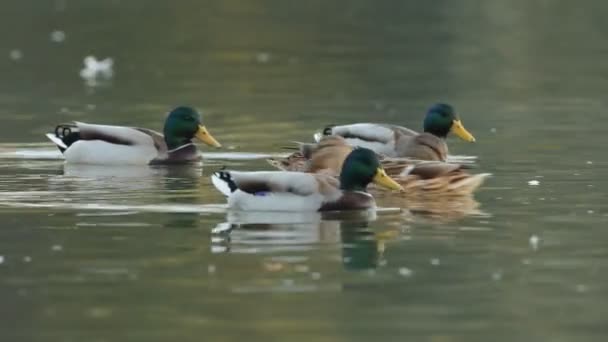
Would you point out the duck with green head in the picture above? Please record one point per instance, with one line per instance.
(83, 143)
(398, 141)
(418, 178)
(298, 191)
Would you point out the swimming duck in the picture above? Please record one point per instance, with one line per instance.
(397, 141)
(298, 191)
(418, 178)
(83, 143)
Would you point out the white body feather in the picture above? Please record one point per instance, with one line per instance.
(102, 152)
(274, 201)
(140, 151)
(376, 137)
(291, 191)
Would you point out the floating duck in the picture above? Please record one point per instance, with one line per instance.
(416, 177)
(298, 191)
(398, 141)
(83, 143)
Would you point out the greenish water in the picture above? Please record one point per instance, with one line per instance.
(149, 254)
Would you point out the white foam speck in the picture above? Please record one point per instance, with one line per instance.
(211, 269)
(57, 36)
(97, 70)
(589, 162)
(301, 268)
(590, 212)
(493, 130)
(57, 248)
(497, 276)
(27, 258)
(534, 240)
(315, 275)
(15, 54)
(581, 288)
(405, 272)
(533, 182)
(435, 261)
(1, 259)
(262, 57)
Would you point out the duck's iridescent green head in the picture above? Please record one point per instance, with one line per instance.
(182, 125)
(441, 119)
(362, 167)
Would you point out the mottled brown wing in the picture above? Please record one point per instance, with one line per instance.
(434, 170)
(425, 146)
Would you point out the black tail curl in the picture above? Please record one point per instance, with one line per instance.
(68, 133)
(226, 177)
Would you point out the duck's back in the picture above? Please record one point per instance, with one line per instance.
(423, 146)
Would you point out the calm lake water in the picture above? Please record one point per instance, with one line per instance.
(150, 254)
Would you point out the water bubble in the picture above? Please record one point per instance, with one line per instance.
(533, 182)
(15, 54)
(57, 36)
(405, 272)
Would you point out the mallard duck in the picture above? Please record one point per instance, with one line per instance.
(83, 143)
(298, 191)
(416, 177)
(397, 141)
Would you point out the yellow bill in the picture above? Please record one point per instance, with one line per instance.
(203, 135)
(461, 132)
(381, 178)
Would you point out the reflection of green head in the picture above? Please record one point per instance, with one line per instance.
(181, 126)
(359, 248)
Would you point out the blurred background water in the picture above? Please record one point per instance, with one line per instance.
(149, 254)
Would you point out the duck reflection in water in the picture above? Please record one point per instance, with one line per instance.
(265, 233)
